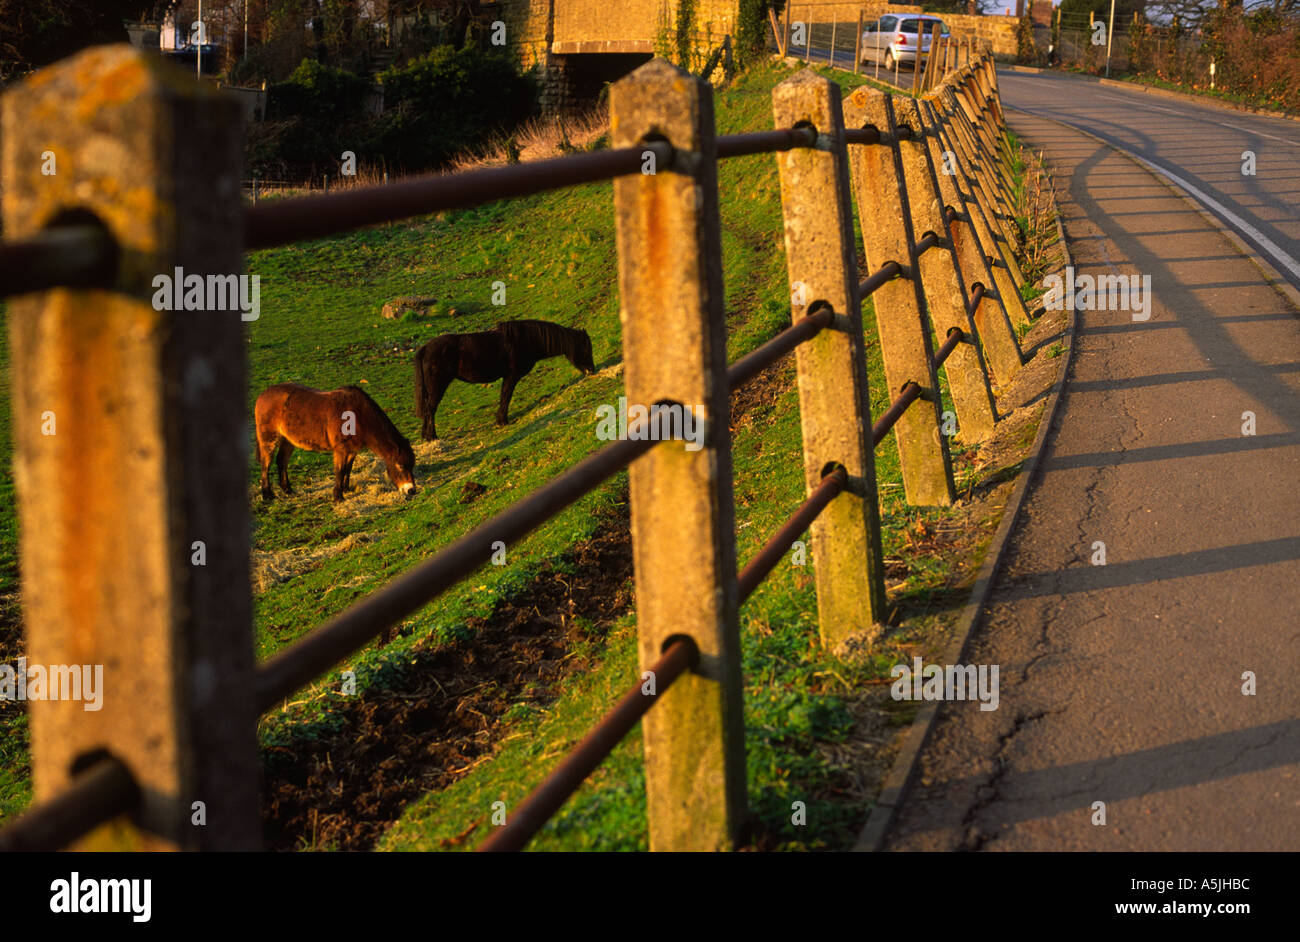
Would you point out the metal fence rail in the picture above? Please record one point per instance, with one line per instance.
(673, 346)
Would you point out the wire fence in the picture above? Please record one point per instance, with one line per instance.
(933, 166)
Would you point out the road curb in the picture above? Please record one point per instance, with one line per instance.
(903, 771)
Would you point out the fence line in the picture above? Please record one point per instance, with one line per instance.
(141, 765)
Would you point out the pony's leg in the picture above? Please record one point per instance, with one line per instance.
(508, 389)
(441, 384)
(347, 473)
(282, 463)
(340, 460)
(264, 450)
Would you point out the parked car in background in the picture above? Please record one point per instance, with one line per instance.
(895, 38)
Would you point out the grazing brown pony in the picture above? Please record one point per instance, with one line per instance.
(345, 421)
(507, 351)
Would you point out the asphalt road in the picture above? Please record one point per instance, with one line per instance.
(1151, 702)
(1199, 147)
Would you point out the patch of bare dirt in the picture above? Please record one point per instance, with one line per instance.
(752, 402)
(344, 790)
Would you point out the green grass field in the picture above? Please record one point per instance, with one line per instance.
(320, 325)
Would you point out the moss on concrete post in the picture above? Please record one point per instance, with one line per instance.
(904, 332)
(130, 431)
(834, 402)
(683, 520)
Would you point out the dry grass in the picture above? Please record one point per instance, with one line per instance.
(272, 568)
(539, 139)
(1039, 210)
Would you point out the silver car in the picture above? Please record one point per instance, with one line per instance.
(894, 38)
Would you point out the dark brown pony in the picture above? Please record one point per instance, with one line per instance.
(507, 351)
(345, 421)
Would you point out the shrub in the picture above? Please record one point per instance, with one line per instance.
(318, 94)
(1026, 48)
(436, 106)
(447, 101)
(751, 31)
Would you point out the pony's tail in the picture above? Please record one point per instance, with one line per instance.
(421, 388)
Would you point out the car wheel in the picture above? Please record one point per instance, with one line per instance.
(889, 60)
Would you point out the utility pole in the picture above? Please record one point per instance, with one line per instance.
(198, 47)
(245, 29)
(1110, 31)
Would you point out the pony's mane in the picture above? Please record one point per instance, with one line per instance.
(555, 339)
(383, 416)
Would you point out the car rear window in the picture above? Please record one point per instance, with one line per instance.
(914, 26)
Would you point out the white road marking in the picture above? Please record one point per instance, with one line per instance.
(1213, 205)
(1263, 241)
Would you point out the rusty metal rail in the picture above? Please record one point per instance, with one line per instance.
(84, 256)
(911, 392)
(757, 569)
(72, 256)
(753, 363)
(955, 336)
(314, 217)
(96, 796)
(884, 273)
(547, 798)
(765, 142)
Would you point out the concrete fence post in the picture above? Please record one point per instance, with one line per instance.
(683, 519)
(996, 335)
(834, 401)
(917, 64)
(945, 294)
(975, 104)
(991, 145)
(933, 59)
(981, 166)
(990, 73)
(131, 437)
(1005, 270)
(857, 45)
(901, 324)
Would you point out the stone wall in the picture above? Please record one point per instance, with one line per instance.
(579, 45)
(998, 31)
(844, 11)
(528, 29)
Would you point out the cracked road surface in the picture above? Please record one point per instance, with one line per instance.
(1123, 683)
